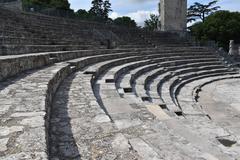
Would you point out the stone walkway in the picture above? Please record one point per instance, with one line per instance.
(23, 113)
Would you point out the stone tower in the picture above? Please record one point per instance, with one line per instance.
(173, 15)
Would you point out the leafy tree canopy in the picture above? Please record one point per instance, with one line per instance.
(201, 11)
(152, 23)
(220, 26)
(125, 21)
(100, 9)
(84, 15)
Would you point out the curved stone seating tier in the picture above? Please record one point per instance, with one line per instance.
(170, 71)
(168, 88)
(22, 49)
(110, 76)
(144, 91)
(13, 65)
(118, 116)
(173, 61)
(134, 65)
(8, 32)
(25, 118)
(200, 80)
(188, 92)
(47, 26)
(156, 81)
(69, 118)
(38, 117)
(66, 97)
(41, 41)
(127, 81)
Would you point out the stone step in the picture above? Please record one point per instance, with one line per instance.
(41, 41)
(186, 97)
(27, 105)
(28, 49)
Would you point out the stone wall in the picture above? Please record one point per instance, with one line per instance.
(173, 15)
(12, 4)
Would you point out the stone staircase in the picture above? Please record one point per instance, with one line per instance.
(65, 96)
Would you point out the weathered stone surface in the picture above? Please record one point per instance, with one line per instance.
(24, 122)
(221, 105)
(32, 140)
(126, 123)
(120, 143)
(173, 15)
(3, 144)
(102, 118)
(144, 150)
(27, 155)
(37, 121)
(27, 114)
(5, 131)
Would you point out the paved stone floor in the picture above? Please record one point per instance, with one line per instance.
(221, 100)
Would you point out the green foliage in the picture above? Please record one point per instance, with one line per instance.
(100, 10)
(221, 27)
(125, 21)
(201, 11)
(96, 8)
(152, 23)
(84, 15)
(60, 4)
(106, 9)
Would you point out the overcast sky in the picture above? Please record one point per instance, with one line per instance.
(140, 10)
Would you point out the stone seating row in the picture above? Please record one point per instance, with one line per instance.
(202, 68)
(40, 41)
(193, 85)
(44, 28)
(44, 25)
(106, 61)
(168, 90)
(140, 87)
(111, 75)
(71, 104)
(51, 77)
(117, 108)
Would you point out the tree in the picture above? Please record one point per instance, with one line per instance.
(220, 26)
(152, 23)
(96, 8)
(60, 4)
(106, 9)
(83, 14)
(125, 21)
(100, 9)
(201, 11)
